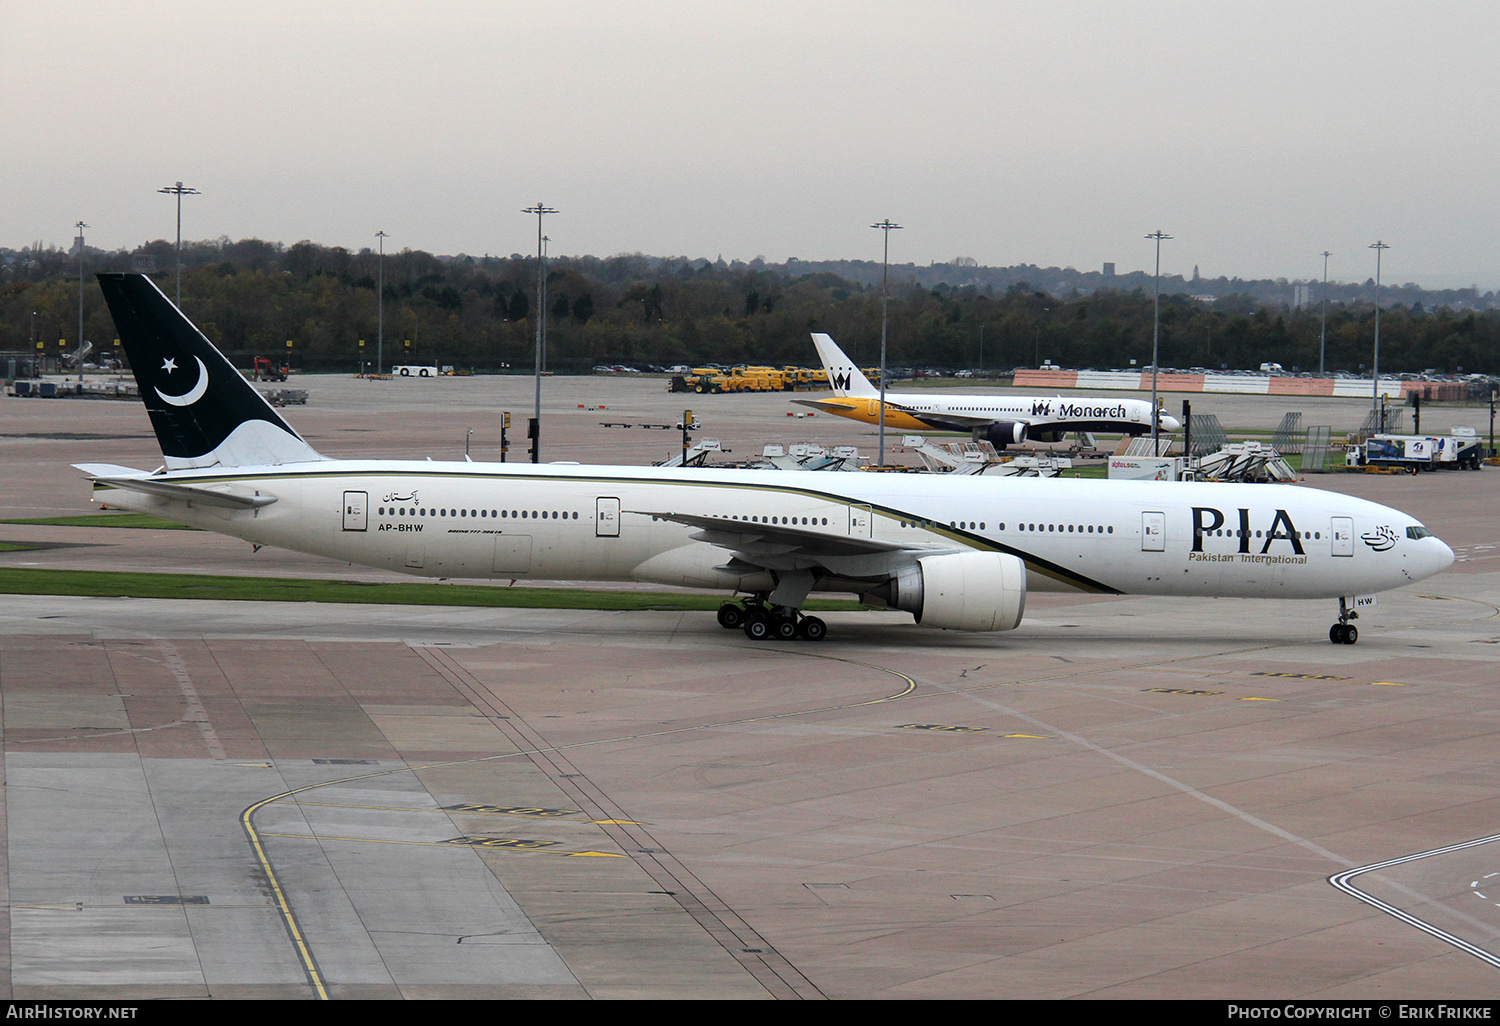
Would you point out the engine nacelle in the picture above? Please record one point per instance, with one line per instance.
(961, 591)
(1003, 433)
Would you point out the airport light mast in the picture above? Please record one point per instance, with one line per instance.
(80, 226)
(1159, 236)
(179, 190)
(380, 308)
(1379, 248)
(539, 210)
(545, 239)
(887, 227)
(1323, 334)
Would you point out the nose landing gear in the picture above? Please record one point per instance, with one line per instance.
(1344, 632)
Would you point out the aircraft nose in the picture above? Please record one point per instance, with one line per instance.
(1169, 423)
(1444, 555)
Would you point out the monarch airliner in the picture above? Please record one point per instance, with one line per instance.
(999, 419)
(957, 552)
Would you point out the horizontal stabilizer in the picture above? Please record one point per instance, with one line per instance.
(107, 475)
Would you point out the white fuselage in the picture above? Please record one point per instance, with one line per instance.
(491, 520)
(1027, 409)
(919, 411)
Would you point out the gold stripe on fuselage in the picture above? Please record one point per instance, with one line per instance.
(868, 411)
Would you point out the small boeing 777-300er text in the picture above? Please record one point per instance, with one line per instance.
(998, 419)
(956, 552)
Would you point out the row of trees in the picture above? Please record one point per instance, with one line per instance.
(251, 297)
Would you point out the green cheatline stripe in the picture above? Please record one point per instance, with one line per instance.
(105, 520)
(113, 584)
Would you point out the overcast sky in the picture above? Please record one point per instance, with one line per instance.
(1010, 131)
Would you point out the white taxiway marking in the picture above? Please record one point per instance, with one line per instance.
(1341, 881)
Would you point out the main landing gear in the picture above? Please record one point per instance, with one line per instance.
(761, 622)
(1344, 632)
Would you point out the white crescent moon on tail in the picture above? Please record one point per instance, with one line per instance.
(193, 394)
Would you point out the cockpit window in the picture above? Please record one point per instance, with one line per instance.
(1418, 532)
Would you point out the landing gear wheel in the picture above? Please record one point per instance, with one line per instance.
(1343, 634)
(731, 616)
(785, 627)
(757, 626)
(812, 629)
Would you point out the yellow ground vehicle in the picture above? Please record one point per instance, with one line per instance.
(708, 381)
(766, 379)
(757, 379)
(745, 378)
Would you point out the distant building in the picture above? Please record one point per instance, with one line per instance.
(1300, 296)
(1109, 270)
(143, 263)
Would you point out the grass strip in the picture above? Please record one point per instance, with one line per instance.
(123, 584)
(145, 520)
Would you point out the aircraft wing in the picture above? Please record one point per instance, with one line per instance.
(959, 421)
(106, 475)
(785, 547)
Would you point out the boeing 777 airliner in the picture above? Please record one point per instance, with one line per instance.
(956, 552)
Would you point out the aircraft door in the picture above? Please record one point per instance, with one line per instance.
(1153, 532)
(1342, 530)
(356, 511)
(607, 517)
(861, 522)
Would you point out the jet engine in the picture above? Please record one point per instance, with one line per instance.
(960, 591)
(1003, 433)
